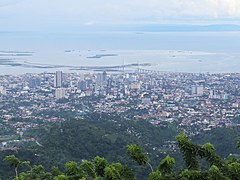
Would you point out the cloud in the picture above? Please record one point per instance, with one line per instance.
(92, 12)
(90, 23)
(9, 2)
(186, 9)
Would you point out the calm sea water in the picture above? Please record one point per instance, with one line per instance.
(180, 52)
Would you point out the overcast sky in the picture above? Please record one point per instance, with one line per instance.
(42, 14)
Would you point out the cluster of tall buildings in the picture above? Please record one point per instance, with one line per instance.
(101, 78)
(101, 82)
(60, 92)
(197, 90)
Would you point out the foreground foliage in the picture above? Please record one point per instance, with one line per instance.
(100, 168)
(218, 169)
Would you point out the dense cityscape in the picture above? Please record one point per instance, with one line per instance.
(194, 102)
(119, 90)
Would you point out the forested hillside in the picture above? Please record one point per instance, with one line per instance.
(99, 168)
(108, 136)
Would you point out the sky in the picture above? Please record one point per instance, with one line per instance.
(40, 15)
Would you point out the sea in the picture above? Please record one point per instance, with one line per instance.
(191, 52)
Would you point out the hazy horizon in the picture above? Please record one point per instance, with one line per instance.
(50, 27)
(97, 15)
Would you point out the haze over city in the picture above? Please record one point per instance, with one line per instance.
(74, 15)
(120, 90)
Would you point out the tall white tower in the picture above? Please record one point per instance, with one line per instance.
(60, 93)
(58, 79)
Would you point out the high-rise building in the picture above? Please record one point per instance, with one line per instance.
(58, 79)
(197, 90)
(34, 82)
(212, 93)
(3, 90)
(200, 90)
(82, 85)
(101, 78)
(109, 86)
(104, 76)
(60, 93)
(194, 90)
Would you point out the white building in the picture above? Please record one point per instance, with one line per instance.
(3, 90)
(58, 79)
(60, 93)
(197, 90)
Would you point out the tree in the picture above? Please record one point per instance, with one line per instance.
(72, 170)
(234, 170)
(16, 163)
(116, 171)
(89, 169)
(61, 177)
(100, 164)
(157, 175)
(99, 169)
(55, 171)
(112, 172)
(215, 173)
(193, 175)
(238, 143)
(166, 165)
(189, 151)
(137, 155)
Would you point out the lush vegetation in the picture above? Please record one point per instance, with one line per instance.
(100, 168)
(94, 135)
(77, 140)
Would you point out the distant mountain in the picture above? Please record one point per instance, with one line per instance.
(179, 28)
(139, 29)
